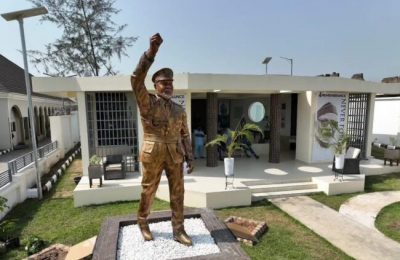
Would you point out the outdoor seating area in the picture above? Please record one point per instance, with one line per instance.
(391, 153)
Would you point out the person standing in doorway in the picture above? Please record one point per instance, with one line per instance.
(199, 137)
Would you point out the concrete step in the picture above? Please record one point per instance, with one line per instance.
(275, 181)
(283, 187)
(282, 194)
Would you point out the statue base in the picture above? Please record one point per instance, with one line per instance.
(106, 246)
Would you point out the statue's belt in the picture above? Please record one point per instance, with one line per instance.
(160, 139)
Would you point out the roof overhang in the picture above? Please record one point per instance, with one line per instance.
(224, 83)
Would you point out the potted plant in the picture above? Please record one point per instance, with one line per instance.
(95, 168)
(232, 140)
(338, 144)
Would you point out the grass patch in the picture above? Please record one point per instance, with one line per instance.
(55, 220)
(388, 221)
(286, 238)
(386, 182)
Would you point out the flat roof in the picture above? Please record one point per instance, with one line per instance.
(225, 83)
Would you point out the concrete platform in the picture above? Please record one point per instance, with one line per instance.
(347, 184)
(205, 187)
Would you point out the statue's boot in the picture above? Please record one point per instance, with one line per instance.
(144, 228)
(183, 238)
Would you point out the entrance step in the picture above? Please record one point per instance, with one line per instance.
(283, 187)
(282, 194)
(277, 181)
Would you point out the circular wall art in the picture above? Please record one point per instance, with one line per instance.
(256, 112)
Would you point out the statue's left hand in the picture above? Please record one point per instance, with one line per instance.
(189, 167)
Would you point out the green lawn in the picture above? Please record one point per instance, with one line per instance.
(388, 221)
(286, 237)
(386, 182)
(56, 220)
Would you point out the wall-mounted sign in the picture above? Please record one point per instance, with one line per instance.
(179, 99)
(256, 112)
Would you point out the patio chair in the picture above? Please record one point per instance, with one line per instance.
(351, 162)
(391, 153)
(114, 167)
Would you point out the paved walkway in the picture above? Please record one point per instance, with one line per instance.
(364, 208)
(16, 153)
(351, 237)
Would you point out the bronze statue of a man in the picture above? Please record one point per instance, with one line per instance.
(166, 142)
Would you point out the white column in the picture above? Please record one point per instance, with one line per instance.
(83, 131)
(370, 123)
(305, 125)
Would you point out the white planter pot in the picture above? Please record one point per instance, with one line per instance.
(339, 161)
(54, 177)
(59, 171)
(32, 193)
(229, 164)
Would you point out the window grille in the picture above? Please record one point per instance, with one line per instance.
(357, 121)
(112, 127)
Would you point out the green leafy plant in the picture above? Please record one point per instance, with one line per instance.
(232, 139)
(394, 140)
(35, 244)
(6, 228)
(339, 145)
(3, 204)
(95, 160)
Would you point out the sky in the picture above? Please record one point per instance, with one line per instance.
(235, 36)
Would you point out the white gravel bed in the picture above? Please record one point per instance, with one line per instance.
(132, 246)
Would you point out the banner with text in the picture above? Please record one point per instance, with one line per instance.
(331, 109)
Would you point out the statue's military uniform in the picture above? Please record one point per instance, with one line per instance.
(166, 144)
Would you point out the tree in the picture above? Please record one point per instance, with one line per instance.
(88, 42)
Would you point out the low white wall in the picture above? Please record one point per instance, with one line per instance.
(61, 131)
(15, 192)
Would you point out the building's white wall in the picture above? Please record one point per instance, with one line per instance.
(62, 132)
(305, 125)
(386, 121)
(4, 125)
(16, 191)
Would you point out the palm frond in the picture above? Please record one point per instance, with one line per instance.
(218, 140)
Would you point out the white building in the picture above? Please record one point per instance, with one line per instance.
(109, 117)
(387, 119)
(14, 127)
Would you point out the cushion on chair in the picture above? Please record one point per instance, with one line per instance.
(352, 153)
(114, 167)
(391, 147)
(114, 158)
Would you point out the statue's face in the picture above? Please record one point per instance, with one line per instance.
(165, 88)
